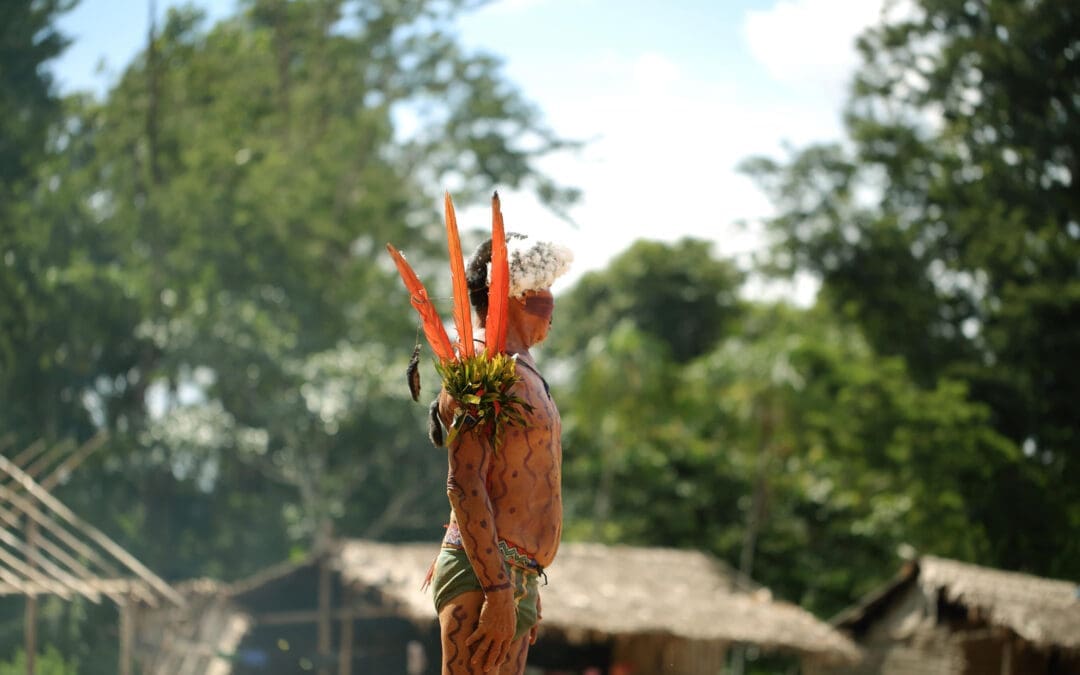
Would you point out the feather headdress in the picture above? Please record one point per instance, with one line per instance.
(480, 383)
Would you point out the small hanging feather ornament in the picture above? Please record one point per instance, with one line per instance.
(412, 373)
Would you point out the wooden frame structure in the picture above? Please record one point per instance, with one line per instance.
(46, 549)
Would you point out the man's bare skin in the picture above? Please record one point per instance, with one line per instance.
(514, 494)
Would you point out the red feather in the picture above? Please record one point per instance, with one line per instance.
(462, 316)
(499, 288)
(433, 327)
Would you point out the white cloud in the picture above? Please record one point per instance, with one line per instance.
(513, 6)
(662, 163)
(668, 126)
(652, 70)
(810, 44)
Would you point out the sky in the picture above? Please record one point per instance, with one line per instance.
(670, 97)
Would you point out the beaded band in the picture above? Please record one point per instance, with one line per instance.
(510, 553)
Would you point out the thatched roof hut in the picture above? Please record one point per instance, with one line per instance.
(599, 591)
(961, 618)
(663, 611)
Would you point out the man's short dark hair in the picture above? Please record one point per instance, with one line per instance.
(476, 276)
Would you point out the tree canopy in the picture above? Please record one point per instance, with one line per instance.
(947, 227)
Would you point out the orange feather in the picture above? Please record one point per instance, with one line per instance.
(462, 316)
(429, 316)
(499, 288)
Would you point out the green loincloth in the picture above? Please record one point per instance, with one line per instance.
(454, 575)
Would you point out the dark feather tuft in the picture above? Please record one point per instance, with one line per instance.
(435, 428)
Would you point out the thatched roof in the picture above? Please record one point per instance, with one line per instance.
(619, 591)
(1044, 612)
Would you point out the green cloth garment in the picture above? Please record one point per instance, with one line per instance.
(454, 575)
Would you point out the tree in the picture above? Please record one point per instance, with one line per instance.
(676, 293)
(28, 108)
(949, 229)
(28, 104)
(790, 449)
(198, 259)
(621, 338)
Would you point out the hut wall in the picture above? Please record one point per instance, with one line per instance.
(903, 641)
(910, 638)
(667, 655)
(191, 640)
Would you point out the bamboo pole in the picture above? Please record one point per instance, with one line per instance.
(345, 644)
(345, 650)
(91, 532)
(11, 567)
(35, 514)
(30, 632)
(30, 452)
(49, 458)
(303, 616)
(75, 459)
(79, 571)
(325, 615)
(30, 636)
(127, 634)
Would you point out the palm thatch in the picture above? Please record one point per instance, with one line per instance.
(599, 590)
(1044, 612)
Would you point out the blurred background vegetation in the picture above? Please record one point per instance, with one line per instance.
(193, 263)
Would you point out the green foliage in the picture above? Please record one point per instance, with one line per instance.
(949, 232)
(631, 460)
(678, 293)
(28, 105)
(192, 264)
(853, 459)
(482, 386)
(51, 662)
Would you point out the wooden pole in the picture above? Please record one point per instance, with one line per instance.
(345, 644)
(30, 637)
(127, 634)
(345, 651)
(1007, 656)
(31, 451)
(325, 614)
(49, 458)
(75, 459)
(89, 531)
(30, 633)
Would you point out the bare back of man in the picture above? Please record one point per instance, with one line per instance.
(507, 517)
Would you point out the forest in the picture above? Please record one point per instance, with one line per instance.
(193, 263)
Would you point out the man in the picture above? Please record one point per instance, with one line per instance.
(506, 504)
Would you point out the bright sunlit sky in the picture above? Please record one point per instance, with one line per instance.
(671, 95)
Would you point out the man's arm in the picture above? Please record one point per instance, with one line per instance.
(470, 459)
